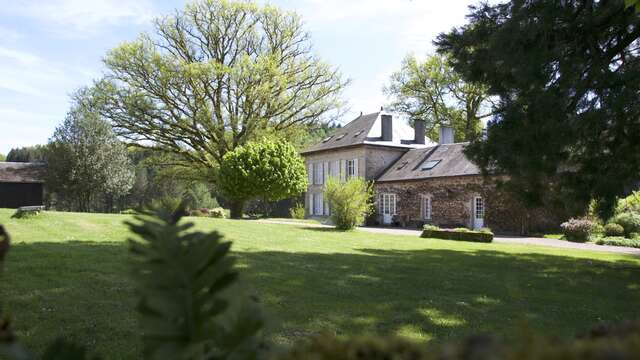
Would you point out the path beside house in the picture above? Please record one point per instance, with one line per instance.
(499, 239)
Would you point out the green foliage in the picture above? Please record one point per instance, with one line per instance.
(582, 105)
(182, 277)
(268, 170)
(350, 201)
(633, 3)
(130, 212)
(214, 76)
(613, 229)
(619, 241)
(297, 211)
(25, 214)
(629, 204)
(434, 92)
(605, 341)
(199, 196)
(460, 234)
(629, 221)
(485, 230)
(3, 157)
(37, 153)
(577, 230)
(88, 166)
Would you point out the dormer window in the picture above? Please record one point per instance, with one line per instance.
(327, 139)
(340, 136)
(430, 164)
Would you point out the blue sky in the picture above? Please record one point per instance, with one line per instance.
(50, 48)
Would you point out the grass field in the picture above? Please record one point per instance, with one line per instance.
(67, 275)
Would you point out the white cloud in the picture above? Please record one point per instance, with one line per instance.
(82, 18)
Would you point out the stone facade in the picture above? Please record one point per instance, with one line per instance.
(452, 201)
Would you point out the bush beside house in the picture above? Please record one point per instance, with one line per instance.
(460, 234)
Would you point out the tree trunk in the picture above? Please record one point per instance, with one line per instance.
(236, 207)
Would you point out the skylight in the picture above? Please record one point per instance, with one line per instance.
(358, 133)
(430, 164)
(402, 165)
(327, 138)
(340, 136)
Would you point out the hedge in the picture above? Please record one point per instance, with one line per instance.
(619, 241)
(468, 235)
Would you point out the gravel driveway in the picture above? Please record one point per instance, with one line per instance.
(499, 239)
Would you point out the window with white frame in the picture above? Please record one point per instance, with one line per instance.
(388, 204)
(479, 204)
(318, 173)
(426, 207)
(351, 168)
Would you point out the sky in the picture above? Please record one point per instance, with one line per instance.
(48, 49)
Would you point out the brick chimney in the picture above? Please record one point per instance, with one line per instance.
(446, 135)
(387, 127)
(418, 129)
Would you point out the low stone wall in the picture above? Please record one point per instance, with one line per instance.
(452, 201)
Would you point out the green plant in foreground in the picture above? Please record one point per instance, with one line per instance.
(182, 277)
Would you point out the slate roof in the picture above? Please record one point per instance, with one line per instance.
(17, 172)
(365, 129)
(452, 162)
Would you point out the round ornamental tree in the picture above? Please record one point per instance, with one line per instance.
(269, 170)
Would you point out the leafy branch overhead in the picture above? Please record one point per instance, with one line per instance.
(215, 74)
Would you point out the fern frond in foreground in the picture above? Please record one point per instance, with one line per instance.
(183, 277)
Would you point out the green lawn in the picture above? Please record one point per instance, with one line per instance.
(67, 275)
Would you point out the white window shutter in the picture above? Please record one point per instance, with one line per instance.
(343, 170)
(335, 169)
(355, 167)
(310, 173)
(326, 172)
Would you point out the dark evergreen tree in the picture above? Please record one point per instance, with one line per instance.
(567, 74)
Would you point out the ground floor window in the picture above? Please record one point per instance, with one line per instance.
(479, 208)
(318, 204)
(388, 204)
(426, 207)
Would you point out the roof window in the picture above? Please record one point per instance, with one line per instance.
(358, 133)
(402, 165)
(340, 136)
(430, 164)
(327, 138)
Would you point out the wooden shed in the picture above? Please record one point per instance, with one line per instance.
(21, 184)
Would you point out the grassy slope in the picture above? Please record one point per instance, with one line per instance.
(67, 274)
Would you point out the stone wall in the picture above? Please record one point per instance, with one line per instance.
(451, 205)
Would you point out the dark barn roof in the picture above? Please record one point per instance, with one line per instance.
(16, 172)
(450, 161)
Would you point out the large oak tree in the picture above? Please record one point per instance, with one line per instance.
(431, 90)
(567, 75)
(214, 76)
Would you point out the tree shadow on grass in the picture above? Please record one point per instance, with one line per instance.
(83, 290)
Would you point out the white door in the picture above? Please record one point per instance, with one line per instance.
(388, 208)
(478, 213)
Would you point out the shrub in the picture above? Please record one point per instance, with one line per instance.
(486, 230)
(430, 227)
(461, 229)
(619, 241)
(350, 201)
(466, 235)
(577, 230)
(297, 212)
(629, 204)
(613, 229)
(634, 235)
(129, 212)
(199, 197)
(218, 213)
(198, 213)
(629, 221)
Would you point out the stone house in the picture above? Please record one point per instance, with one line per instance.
(416, 181)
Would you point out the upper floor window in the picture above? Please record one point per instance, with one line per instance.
(351, 168)
(318, 173)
